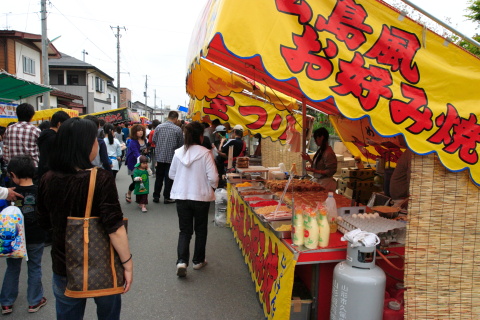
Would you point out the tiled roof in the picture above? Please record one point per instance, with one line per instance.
(67, 61)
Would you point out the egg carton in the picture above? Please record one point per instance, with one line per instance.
(389, 231)
(372, 222)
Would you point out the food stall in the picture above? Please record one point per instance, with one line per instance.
(8, 114)
(116, 116)
(361, 60)
(274, 261)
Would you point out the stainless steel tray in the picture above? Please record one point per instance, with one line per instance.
(280, 234)
(263, 196)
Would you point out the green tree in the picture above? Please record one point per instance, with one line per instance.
(474, 15)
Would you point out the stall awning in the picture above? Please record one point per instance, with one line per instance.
(359, 58)
(15, 89)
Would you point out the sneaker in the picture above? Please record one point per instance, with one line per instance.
(37, 307)
(7, 309)
(167, 201)
(198, 266)
(144, 209)
(181, 270)
(156, 200)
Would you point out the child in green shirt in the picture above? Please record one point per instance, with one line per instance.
(142, 187)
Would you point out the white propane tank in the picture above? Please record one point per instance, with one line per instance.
(358, 288)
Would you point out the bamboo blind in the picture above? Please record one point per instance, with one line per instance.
(442, 273)
(274, 153)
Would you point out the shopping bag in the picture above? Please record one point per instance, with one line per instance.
(12, 233)
(294, 138)
(94, 268)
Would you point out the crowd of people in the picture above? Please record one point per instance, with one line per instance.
(46, 169)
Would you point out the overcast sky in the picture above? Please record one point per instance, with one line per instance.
(155, 43)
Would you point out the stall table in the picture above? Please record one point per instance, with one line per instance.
(274, 263)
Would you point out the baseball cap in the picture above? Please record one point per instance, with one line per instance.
(220, 129)
(141, 159)
(238, 127)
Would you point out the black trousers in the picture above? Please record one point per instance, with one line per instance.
(161, 175)
(192, 216)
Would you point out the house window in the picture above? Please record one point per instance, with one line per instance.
(60, 79)
(99, 84)
(28, 65)
(72, 79)
(114, 99)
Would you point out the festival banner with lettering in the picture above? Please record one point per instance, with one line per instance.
(207, 80)
(8, 113)
(117, 115)
(371, 59)
(270, 262)
(256, 116)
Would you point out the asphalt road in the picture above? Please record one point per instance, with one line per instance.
(221, 290)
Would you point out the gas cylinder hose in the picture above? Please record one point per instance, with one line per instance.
(390, 263)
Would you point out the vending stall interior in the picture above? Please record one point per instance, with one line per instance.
(381, 69)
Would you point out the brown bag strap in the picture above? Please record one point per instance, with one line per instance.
(91, 190)
(88, 208)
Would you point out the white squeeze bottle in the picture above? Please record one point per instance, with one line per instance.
(331, 206)
(297, 227)
(310, 226)
(324, 228)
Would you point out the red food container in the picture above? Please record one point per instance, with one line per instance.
(393, 310)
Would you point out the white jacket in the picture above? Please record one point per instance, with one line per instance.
(194, 174)
(3, 193)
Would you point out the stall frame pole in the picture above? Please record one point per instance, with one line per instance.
(304, 134)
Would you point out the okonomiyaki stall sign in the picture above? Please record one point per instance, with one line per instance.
(369, 58)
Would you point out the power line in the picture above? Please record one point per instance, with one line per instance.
(83, 33)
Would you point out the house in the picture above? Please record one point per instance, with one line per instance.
(112, 92)
(21, 56)
(125, 98)
(82, 79)
(143, 111)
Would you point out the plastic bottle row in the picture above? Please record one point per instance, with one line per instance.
(311, 227)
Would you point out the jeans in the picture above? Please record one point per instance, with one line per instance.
(161, 175)
(10, 281)
(192, 215)
(108, 307)
(153, 162)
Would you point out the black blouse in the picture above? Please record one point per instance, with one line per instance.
(62, 195)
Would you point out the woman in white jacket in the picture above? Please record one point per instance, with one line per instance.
(195, 177)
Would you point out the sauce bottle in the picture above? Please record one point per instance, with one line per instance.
(324, 228)
(297, 227)
(310, 228)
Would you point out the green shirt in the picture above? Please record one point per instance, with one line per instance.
(141, 187)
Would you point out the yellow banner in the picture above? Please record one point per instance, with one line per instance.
(207, 80)
(256, 116)
(38, 117)
(270, 262)
(372, 60)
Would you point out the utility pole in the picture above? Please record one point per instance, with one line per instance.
(145, 93)
(46, 78)
(84, 53)
(7, 27)
(155, 105)
(118, 35)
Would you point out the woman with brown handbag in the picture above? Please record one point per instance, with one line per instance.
(64, 192)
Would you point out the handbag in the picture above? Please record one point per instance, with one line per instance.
(94, 268)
